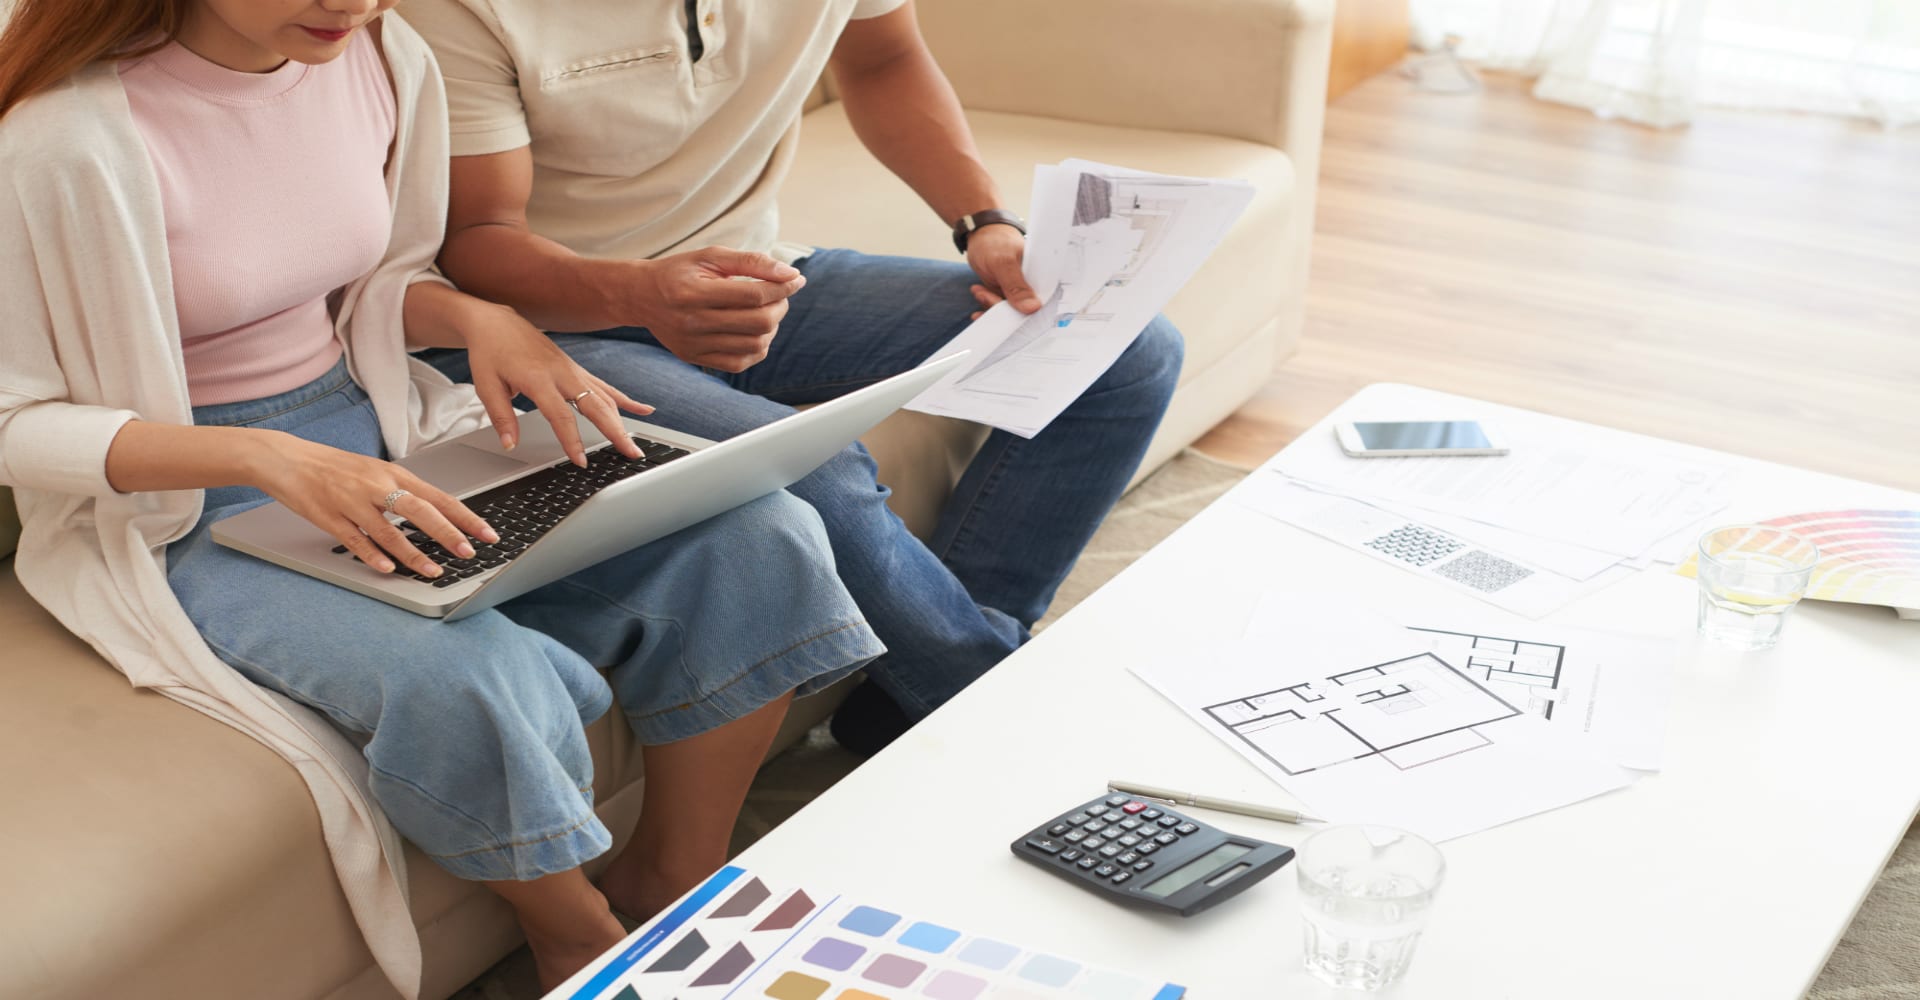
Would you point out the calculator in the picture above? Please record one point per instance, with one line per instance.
(1136, 851)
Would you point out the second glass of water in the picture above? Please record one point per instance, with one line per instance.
(1365, 894)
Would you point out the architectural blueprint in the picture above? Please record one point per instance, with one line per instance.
(1441, 731)
(1608, 689)
(1107, 249)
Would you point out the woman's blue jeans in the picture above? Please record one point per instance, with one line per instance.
(474, 728)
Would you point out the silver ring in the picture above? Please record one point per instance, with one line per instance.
(393, 498)
(575, 401)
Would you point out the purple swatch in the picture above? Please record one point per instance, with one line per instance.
(833, 953)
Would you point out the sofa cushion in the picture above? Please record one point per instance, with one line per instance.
(229, 842)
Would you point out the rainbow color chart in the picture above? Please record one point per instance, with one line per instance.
(1866, 556)
(737, 937)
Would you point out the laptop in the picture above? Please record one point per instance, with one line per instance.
(555, 518)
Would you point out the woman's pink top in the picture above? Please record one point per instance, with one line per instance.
(274, 191)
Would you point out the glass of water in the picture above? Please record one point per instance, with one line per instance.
(1750, 575)
(1365, 893)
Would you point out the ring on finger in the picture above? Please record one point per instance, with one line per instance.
(393, 498)
(575, 401)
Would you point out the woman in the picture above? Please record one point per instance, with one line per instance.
(218, 251)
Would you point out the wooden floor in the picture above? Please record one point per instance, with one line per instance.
(1750, 283)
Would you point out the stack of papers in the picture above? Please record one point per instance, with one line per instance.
(1560, 516)
(1444, 728)
(1107, 248)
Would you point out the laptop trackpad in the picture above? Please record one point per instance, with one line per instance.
(458, 468)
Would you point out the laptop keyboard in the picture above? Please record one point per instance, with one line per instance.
(526, 508)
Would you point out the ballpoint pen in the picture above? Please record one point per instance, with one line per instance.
(1207, 802)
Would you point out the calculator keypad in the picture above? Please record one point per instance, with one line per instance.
(1113, 844)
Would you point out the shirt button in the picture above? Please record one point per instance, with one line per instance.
(708, 21)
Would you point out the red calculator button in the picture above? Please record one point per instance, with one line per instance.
(1133, 807)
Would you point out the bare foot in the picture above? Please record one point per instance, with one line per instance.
(557, 957)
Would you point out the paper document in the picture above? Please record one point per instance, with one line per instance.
(1365, 722)
(1106, 251)
(1608, 689)
(1416, 546)
(1577, 489)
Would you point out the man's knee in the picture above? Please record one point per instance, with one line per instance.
(1153, 360)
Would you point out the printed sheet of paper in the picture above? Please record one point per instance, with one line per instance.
(1107, 249)
(1578, 490)
(1364, 722)
(1417, 546)
(1609, 689)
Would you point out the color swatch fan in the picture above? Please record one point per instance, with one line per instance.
(1866, 556)
(738, 936)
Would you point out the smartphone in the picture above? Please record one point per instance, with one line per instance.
(1402, 439)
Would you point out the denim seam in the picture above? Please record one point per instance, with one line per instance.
(292, 407)
(748, 671)
(964, 530)
(508, 845)
(416, 788)
(281, 686)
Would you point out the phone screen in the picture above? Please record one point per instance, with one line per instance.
(1430, 435)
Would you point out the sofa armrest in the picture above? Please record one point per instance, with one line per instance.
(1246, 69)
(1254, 70)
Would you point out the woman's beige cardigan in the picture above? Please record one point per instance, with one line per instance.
(90, 341)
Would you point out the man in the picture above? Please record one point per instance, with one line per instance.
(616, 164)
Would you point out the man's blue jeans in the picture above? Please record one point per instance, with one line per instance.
(950, 608)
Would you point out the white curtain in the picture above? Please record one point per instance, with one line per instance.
(1655, 61)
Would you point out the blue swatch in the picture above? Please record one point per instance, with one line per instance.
(930, 938)
(869, 921)
(988, 954)
(1048, 970)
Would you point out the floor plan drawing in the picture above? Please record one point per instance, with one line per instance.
(1529, 674)
(1407, 712)
(1443, 726)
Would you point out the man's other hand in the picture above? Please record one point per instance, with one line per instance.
(715, 307)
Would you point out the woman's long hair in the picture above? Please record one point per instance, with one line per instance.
(46, 41)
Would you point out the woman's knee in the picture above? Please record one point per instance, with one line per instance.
(775, 523)
(495, 676)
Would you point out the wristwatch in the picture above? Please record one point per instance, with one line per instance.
(963, 230)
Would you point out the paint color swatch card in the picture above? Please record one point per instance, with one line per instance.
(1866, 556)
(737, 936)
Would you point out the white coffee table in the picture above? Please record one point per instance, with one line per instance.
(1790, 776)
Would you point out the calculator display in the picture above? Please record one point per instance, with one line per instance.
(1193, 871)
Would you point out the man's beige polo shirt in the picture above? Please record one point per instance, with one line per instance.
(638, 150)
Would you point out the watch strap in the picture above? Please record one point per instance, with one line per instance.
(964, 229)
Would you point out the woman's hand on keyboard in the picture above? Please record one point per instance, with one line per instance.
(345, 495)
(510, 357)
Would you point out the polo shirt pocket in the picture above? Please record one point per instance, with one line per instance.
(617, 113)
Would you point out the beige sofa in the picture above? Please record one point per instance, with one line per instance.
(227, 892)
